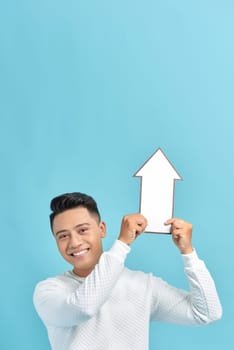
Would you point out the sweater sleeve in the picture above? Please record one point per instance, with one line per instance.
(201, 305)
(58, 306)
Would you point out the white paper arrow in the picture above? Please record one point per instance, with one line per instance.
(157, 191)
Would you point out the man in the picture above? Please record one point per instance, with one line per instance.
(102, 305)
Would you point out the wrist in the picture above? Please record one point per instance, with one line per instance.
(119, 250)
(121, 239)
(188, 250)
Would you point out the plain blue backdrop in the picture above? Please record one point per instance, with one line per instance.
(89, 90)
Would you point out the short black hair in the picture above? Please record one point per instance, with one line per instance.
(72, 200)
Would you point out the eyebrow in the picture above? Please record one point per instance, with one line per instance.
(77, 226)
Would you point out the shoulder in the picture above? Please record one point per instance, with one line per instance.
(60, 282)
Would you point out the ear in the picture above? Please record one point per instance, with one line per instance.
(102, 227)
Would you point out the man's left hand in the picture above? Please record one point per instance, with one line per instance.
(182, 234)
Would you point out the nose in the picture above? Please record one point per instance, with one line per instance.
(75, 240)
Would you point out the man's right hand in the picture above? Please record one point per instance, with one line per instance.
(132, 226)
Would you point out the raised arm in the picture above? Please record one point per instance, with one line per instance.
(60, 304)
(201, 304)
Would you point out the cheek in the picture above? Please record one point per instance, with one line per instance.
(97, 244)
(61, 247)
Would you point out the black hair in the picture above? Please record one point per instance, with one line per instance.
(72, 200)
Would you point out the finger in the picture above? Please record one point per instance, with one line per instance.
(173, 221)
(178, 226)
(176, 223)
(142, 224)
(176, 231)
(169, 221)
(140, 228)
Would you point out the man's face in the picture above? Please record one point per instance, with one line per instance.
(78, 235)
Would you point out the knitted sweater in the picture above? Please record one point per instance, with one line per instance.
(112, 307)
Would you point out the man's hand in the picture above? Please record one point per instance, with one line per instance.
(132, 226)
(182, 234)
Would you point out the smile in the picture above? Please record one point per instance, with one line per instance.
(80, 253)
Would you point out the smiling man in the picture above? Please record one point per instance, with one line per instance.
(78, 235)
(102, 305)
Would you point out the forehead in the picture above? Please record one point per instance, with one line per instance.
(72, 217)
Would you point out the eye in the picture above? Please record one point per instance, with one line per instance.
(82, 231)
(62, 236)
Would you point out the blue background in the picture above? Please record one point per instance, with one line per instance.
(89, 90)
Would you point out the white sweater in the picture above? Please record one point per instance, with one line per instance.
(111, 308)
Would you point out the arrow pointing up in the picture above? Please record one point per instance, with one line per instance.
(157, 191)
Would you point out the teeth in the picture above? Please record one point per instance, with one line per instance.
(80, 253)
